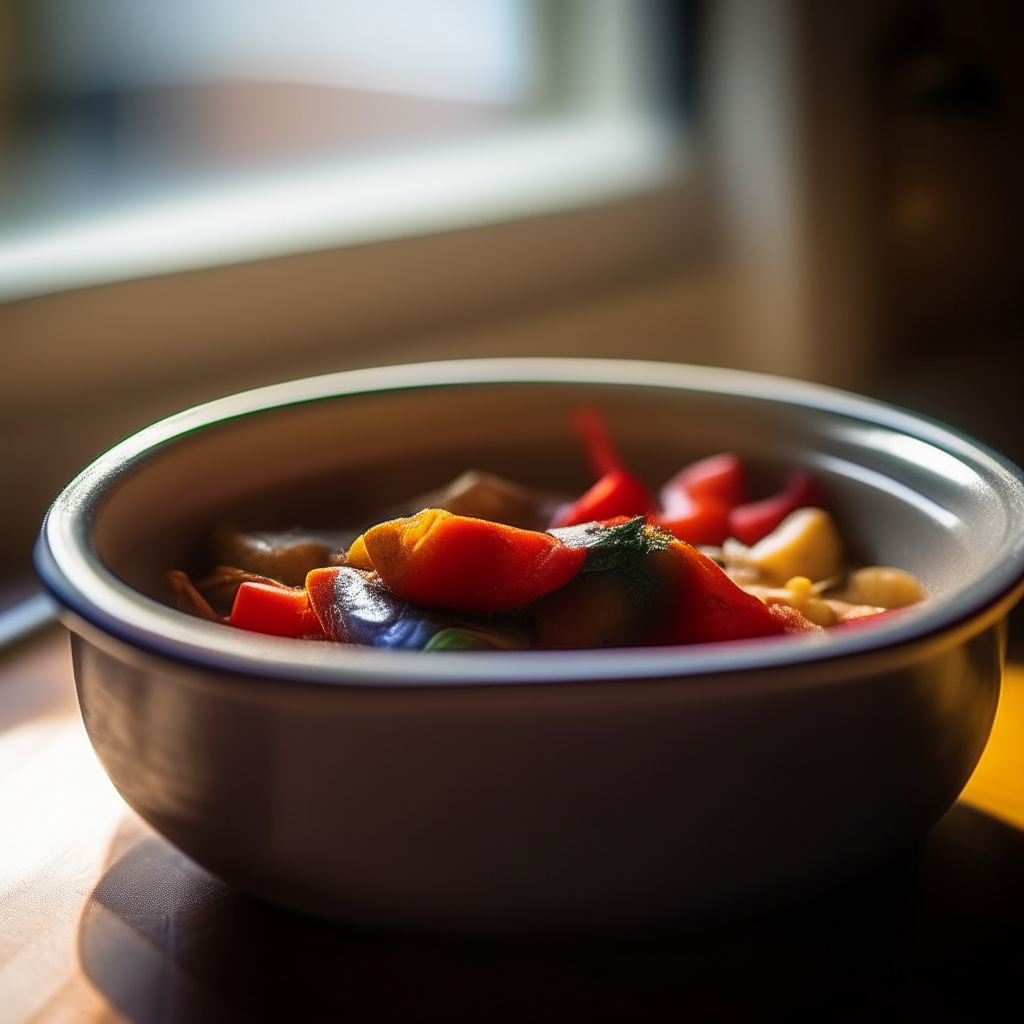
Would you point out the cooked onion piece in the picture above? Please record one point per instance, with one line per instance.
(883, 586)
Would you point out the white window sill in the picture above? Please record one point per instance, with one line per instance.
(534, 169)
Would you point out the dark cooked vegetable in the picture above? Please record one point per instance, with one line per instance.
(618, 595)
(454, 639)
(486, 496)
(187, 598)
(355, 607)
(285, 556)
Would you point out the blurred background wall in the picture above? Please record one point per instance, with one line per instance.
(202, 197)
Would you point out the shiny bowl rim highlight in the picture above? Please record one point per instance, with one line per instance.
(97, 603)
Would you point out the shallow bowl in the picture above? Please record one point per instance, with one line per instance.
(525, 791)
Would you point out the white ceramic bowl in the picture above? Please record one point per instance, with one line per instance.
(533, 790)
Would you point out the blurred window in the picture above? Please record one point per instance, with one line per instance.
(476, 51)
(146, 136)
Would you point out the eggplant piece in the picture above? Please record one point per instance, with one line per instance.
(355, 607)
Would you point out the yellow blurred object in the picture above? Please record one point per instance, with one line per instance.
(805, 543)
(884, 586)
(997, 785)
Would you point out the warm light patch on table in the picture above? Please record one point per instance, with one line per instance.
(997, 785)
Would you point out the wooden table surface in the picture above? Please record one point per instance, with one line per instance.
(101, 920)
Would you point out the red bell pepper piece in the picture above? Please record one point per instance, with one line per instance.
(441, 560)
(707, 606)
(592, 430)
(617, 492)
(717, 478)
(282, 611)
(705, 522)
(696, 501)
(749, 523)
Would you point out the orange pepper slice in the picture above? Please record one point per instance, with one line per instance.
(441, 560)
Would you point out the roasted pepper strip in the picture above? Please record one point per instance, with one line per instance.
(705, 522)
(617, 492)
(442, 560)
(281, 611)
(749, 523)
(706, 606)
(590, 427)
(717, 478)
(696, 502)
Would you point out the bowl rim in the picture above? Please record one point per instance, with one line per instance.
(71, 570)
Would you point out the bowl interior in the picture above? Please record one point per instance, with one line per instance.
(336, 462)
